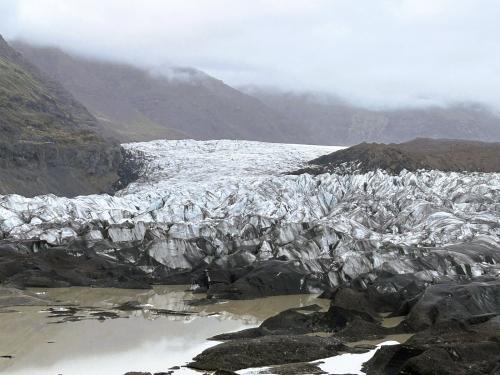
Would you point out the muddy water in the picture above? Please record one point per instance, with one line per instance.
(140, 342)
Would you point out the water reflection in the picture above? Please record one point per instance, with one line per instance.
(142, 342)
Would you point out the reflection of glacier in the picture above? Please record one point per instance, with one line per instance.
(228, 202)
(251, 312)
(177, 298)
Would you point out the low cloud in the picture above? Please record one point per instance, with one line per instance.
(374, 52)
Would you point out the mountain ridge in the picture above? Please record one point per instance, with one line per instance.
(140, 105)
(49, 142)
(448, 155)
(331, 120)
(136, 104)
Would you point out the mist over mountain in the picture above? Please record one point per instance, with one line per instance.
(330, 120)
(381, 53)
(196, 149)
(49, 142)
(137, 104)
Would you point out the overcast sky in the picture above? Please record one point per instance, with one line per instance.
(376, 52)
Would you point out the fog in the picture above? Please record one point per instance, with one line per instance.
(374, 52)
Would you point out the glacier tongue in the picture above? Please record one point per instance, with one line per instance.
(229, 203)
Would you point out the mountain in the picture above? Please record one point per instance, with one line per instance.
(328, 120)
(49, 142)
(419, 154)
(137, 104)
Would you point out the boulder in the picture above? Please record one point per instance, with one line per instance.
(442, 303)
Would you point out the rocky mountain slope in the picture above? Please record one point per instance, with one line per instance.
(137, 104)
(429, 154)
(328, 120)
(220, 214)
(48, 141)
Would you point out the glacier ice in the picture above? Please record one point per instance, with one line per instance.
(231, 202)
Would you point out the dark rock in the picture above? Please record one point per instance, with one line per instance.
(298, 320)
(293, 321)
(458, 333)
(265, 351)
(66, 266)
(388, 360)
(451, 350)
(420, 153)
(351, 325)
(105, 314)
(204, 302)
(455, 302)
(268, 278)
(129, 306)
(173, 312)
(339, 317)
(392, 292)
(359, 329)
(224, 372)
(349, 299)
(294, 369)
(63, 311)
(249, 333)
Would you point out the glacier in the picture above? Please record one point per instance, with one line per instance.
(226, 204)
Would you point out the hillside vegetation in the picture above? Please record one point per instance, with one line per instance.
(49, 143)
(137, 104)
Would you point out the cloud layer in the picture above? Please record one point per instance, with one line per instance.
(375, 52)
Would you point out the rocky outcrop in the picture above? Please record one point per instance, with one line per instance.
(268, 350)
(471, 302)
(49, 142)
(452, 327)
(458, 332)
(31, 169)
(21, 267)
(419, 154)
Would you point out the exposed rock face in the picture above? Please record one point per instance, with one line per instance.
(429, 154)
(30, 168)
(217, 213)
(49, 142)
